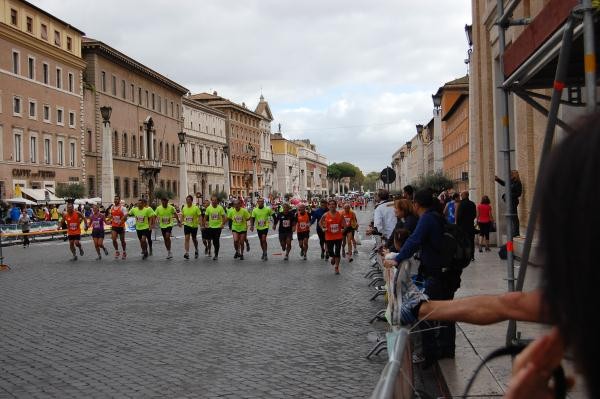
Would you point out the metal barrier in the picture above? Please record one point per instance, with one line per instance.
(396, 378)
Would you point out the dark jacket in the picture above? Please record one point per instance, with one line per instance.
(428, 237)
(409, 223)
(466, 212)
(516, 190)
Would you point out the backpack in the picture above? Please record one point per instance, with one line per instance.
(457, 249)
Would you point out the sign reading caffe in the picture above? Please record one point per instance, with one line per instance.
(40, 174)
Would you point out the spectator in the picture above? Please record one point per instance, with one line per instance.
(384, 217)
(484, 221)
(450, 208)
(25, 223)
(466, 213)
(30, 212)
(408, 192)
(516, 189)
(54, 214)
(407, 220)
(15, 214)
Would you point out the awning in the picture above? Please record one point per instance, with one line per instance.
(41, 195)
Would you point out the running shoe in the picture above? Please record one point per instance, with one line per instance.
(169, 255)
(237, 255)
(99, 257)
(337, 270)
(247, 246)
(124, 255)
(105, 251)
(186, 256)
(355, 252)
(74, 258)
(196, 255)
(351, 259)
(215, 257)
(241, 257)
(322, 254)
(118, 254)
(286, 257)
(80, 251)
(145, 255)
(304, 257)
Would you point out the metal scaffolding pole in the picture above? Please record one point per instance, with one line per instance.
(590, 54)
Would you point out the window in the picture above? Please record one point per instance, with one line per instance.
(117, 186)
(57, 38)
(71, 119)
(114, 85)
(177, 111)
(141, 142)
(61, 152)
(125, 142)
(15, 59)
(172, 152)
(91, 185)
(71, 81)
(123, 86)
(33, 149)
(69, 43)
(153, 101)
(133, 146)
(215, 157)
(46, 74)
(31, 68)
(200, 152)
(14, 16)
(159, 105)
(89, 140)
(135, 188)
(166, 107)
(171, 108)
(72, 154)
(147, 99)
(58, 78)
(132, 93)
(59, 116)
(44, 31)
(47, 151)
(193, 154)
(160, 151)
(16, 106)
(174, 187)
(46, 113)
(103, 81)
(139, 96)
(208, 157)
(29, 25)
(32, 109)
(167, 152)
(18, 147)
(126, 187)
(115, 149)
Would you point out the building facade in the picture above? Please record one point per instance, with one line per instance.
(313, 170)
(455, 131)
(285, 156)
(41, 100)
(266, 171)
(146, 117)
(205, 142)
(243, 143)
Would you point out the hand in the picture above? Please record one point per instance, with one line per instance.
(533, 368)
(389, 263)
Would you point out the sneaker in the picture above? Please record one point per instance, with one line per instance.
(124, 255)
(355, 252)
(326, 256)
(99, 257)
(117, 254)
(351, 259)
(480, 250)
(169, 255)
(74, 258)
(487, 249)
(186, 255)
(418, 358)
(304, 257)
(196, 255)
(286, 257)
(145, 255)
(105, 252)
(237, 255)
(206, 251)
(215, 257)
(241, 257)
(337, 270)
(80, 251)
(332, 261)
(247, 246)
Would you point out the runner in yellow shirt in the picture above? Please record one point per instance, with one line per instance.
(239, 227)
(214, 220)
(191, 220)
(165, 213)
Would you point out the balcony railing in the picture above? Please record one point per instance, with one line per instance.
(150, 164)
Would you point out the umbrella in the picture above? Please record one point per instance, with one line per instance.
(20, 200)
(295, 201)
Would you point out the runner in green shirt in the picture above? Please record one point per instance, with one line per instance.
(204, 229)
(260, 218)
(144, 219)
(165, 214)
(191, 219)
(215, 219)
(239, 226)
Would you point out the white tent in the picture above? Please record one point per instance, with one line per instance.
(42, 196)
(20, 200)
(83, 201)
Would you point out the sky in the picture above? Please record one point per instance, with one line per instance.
(353, 76)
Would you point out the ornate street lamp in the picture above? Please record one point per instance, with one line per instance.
(420, 131)
(105, 111)
(181, 136)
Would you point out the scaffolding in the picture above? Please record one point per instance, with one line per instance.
(549, 62)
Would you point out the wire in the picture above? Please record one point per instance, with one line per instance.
(342, 127)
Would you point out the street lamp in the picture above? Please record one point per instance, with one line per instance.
(254, 177)
(183, 184)
(420, 131)
(181, 136)
(437, 100)
(105, 111)
(469, 34)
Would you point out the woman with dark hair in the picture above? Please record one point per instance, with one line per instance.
(484, 221)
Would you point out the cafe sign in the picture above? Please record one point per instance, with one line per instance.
(40, 174)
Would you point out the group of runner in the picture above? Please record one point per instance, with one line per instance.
(334, 228)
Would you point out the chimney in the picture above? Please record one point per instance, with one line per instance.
(214, 93)
(279, 128)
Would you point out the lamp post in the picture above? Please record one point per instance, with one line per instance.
(108, 177)
(254, 177)
(182, 168)
(226, 176)
(438, 156)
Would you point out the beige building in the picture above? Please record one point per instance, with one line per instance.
(41, 99)
(205, 141)
(285, 156)
(146, 117)
(266, 171)
(313, 170)
(243, 142)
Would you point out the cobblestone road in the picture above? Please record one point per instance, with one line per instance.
(157, 328)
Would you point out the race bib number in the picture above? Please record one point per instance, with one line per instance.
(238, 219)
(189, 219)
(116, 219)
(95, 224)
(334, 228)
(347, 221)
(303, 225)
(140, 219)
(285, 223)
(73, 226)
(166, 219)
(214, 216)
(261, 223)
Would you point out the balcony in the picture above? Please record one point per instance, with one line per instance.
(150, 165)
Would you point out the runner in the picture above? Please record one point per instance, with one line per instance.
(144, 220)
(72, 219)
(333, 224)
(239, 226)
(215, 220)
(260, 217)
(191, 219)
(203, 230)
(165, 213)
(287, 222)
(96, 219)
(303, 229)
(316, 216)
(118, 216)
(351, 224)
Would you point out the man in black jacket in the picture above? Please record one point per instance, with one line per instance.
(465, 214)
(516, 190)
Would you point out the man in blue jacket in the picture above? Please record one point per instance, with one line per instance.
(439, 282)
(315, 216)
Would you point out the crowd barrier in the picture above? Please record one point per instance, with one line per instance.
(396, 378)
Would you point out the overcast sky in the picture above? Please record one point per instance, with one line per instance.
(354, 77)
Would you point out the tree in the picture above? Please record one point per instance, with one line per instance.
(221, 195)
(371, 180)
(437, 182)
(71, 191)
(337, 171)
(161, 193)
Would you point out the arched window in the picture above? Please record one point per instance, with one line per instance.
(193, 155)
(167, 152)
(125, 144)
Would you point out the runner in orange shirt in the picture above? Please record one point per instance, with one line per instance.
(351, 225)
(72, 221)
(303, 229)
(118, 216)
(333, 224)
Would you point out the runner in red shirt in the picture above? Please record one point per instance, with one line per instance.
(333, 224)
(303, 229)
(72, 222)
(351, 225)
(118, 216)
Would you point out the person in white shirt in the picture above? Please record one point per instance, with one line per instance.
(384, 217)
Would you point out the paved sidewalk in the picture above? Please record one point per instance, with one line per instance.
(487, 275)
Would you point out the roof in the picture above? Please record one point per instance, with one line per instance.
(214, 100)
(263, 109)
(462, 81)
(89, 44)
(67, 25)
(455, 106)
(202, 107)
